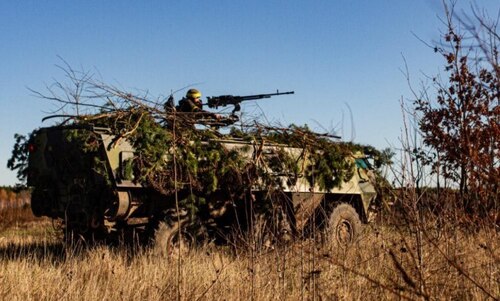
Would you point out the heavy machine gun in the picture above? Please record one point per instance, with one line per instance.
(224, 100)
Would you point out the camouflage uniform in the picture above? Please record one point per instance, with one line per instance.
(189, 106)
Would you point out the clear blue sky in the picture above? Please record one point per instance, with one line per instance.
(335, 55)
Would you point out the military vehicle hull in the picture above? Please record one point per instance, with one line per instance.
(90, 190)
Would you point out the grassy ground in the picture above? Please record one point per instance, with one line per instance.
(389, 262)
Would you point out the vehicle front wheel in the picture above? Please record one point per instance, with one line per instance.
(344, 225)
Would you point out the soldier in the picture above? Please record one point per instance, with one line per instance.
(192, 104)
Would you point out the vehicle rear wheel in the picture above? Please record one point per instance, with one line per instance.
(174, 240)
(180, 241)
(344, 225)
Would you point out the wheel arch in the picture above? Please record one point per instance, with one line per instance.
(355, 200)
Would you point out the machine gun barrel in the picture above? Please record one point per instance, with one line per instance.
(224, 100)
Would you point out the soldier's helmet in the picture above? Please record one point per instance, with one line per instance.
(193, 94)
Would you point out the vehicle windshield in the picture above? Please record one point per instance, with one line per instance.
(363, 163)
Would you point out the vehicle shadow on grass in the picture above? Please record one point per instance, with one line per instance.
(35, 251)
(59, 252)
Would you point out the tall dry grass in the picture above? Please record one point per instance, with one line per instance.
(455, 264)
(19, 217)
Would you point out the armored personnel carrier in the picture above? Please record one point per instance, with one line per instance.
(101, 179)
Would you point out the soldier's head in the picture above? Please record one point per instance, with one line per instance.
(194, 95)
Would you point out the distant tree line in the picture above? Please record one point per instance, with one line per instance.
(12, 197)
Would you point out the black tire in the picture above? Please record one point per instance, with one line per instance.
(180, 241)
(174, 240)
(344, 225)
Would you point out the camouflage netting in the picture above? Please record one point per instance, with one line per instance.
(203, 164)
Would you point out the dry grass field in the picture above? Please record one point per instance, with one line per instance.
(389, 262)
